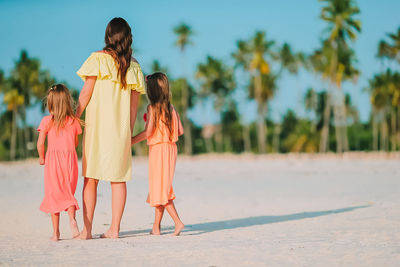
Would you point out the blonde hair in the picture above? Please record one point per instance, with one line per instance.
(60, 104)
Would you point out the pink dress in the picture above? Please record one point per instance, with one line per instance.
(162, 160)
(61, 165)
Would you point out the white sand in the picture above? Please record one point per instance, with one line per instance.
(239, 211)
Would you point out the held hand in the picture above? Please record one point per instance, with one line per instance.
(132, 141)
(41, 161)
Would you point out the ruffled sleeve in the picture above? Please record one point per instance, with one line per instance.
(135, 78)
(103, 67)
(44, 124)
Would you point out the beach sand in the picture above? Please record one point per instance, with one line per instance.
(239, 211)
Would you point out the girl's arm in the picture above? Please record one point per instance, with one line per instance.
(134, 105)
(139, 137)
(40, 146)
(76, 141)
(86, 94)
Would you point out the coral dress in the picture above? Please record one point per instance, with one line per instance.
(162, 160)
(61, 165)
(107, 150)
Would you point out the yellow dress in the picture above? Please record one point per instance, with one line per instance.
(107, 153)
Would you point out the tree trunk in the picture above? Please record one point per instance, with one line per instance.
(261, 127)
(384, 134)
(374, 130)
(275, 142)
(186, 123)
(219, 139)
(323, 145)
(13, 141)
(246, 138)
(339, 140)
(209, 145)
(26, 152)
(393, 129)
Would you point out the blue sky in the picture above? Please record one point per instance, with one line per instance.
(62, 34)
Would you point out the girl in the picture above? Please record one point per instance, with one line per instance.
(60, 163)
(113, 83)
(162, 129)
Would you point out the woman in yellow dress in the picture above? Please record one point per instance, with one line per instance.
(113, 83)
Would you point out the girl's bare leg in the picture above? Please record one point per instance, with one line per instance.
(174, 215)
(118, 204)
(72, 221)
(159, 212)
(89, 197)
(55, 219)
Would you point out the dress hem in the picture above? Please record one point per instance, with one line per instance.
(162, 204)
(58, 211)
(108, 180)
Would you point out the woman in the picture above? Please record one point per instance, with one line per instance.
(113, 83)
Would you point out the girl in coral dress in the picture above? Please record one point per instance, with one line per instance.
(60, 161)
(163, 126)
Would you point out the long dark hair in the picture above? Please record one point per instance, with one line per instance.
(160, 99)
(118, 40)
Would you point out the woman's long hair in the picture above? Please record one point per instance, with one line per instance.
(60, 104)
(118, 40)
(160, 99)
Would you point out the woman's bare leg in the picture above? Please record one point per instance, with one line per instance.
(89, 197)
(118, 204)
(174, 215)
(55, 219)
(72, 221)
(159, 212)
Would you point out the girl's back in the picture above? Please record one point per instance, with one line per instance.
(161, 134)
(62, 139)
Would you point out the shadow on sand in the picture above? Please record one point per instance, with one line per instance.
(201, 228)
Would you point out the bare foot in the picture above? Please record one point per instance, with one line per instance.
(55, 237)
(84, 235)
(74, 228)
(178, 229)
(155, 230)
(109, 234)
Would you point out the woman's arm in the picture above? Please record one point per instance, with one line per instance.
(148, 128)
(40, 146)
(134, 105)
(85, 95)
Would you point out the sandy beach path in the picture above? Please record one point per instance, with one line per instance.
(239, 211)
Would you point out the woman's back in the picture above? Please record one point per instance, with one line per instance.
(107, 150)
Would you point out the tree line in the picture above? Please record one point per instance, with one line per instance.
(333, 123)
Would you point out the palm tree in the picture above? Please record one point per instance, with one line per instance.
(311, 105)
(184, 33)
(242, 59)
(291, 62)
(14, 101)
(391, 49)
(268, 87)
(343, 28)
(32, 83)
(218, 82)
(260, 49)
